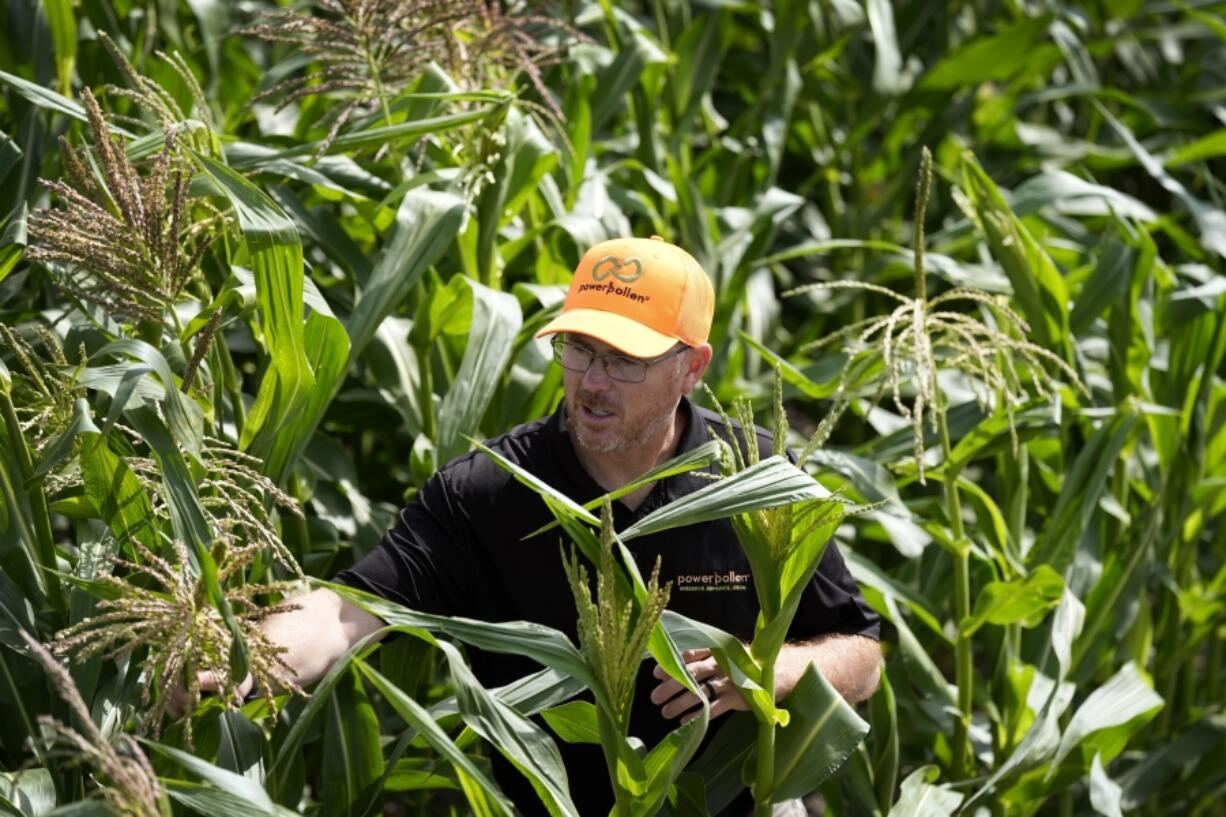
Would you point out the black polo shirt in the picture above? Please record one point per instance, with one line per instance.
(458, 549)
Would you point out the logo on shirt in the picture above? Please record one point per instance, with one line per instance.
(711, 582)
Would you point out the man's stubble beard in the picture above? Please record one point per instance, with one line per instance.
(628, 437)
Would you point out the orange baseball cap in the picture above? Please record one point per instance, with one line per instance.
(639, 295)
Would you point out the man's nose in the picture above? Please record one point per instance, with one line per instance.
(596, 376)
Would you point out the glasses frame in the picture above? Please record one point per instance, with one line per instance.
(559, 345)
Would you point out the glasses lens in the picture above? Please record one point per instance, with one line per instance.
(572, 356)
(625, 369)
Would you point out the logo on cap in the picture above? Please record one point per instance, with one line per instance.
(612, 265)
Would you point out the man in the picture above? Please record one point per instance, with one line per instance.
(632, 340)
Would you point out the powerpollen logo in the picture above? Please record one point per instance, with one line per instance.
(625, 270)
(710, 582)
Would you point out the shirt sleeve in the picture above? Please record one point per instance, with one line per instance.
(426, 560)
(833, 603)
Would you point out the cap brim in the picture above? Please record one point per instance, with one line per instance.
(627, 336)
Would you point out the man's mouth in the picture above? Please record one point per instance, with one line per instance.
(594, 413)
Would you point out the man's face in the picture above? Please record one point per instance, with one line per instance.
(607, 416)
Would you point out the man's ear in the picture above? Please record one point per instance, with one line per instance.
(696, 364)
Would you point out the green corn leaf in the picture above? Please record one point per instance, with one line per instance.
(688, 797)
(1210, 221)
(29, 791)
(821, 519)
(13, 236)
(666, 761)
(400, 134)
(276, 256)
(291, 744)
(938, 700)
(307, 360)
(1023, 601)
(1104, 792)
(720, 764)
(733, 658)
(620, 77)
(15, 616)
(692, 460)
(494, 324)
(554, 497)
(482, 803)
(1083, 486)
(1125, 697)
(527, 155)
(985, 59)
(116, 494)
(918, 797)
(574, 722)
(701, 46)
(376, 136)
(545, 645)
(186, 513)
(184, 418)
(49, 100)
(1206, 147)
(416, 716)
(885, 742)
(63, 446)
(519, 740)
(1038, 285)
(426, 223)
(241, 746)
(246, 795)
(11, 155)
(823, 732)
(869, 575)
(190, 525)
(213, 17)
(208, 799)
(1070, 194)
(539, 691)
(1042, 739)
(352, 751)
(1144, 781)
(991, 435)
(793, 375)
(125, 383)
(64, 38)
(768, 484)
(888, 79)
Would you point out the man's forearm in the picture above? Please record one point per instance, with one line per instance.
(851, 663)
(319, 632)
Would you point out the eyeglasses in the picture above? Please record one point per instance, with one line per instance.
(578, 358)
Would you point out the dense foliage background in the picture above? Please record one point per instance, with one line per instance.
(1053, 581)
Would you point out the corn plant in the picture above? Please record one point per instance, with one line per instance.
(915, 343)
(613, 636)
(346, 302)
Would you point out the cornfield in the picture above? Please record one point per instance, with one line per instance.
(265, 268)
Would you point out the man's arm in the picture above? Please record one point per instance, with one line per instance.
(851, 663)
(318, 632)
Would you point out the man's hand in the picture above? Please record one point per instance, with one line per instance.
(314, 634)
(675, 700)
(209, 685)
(851, 663)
